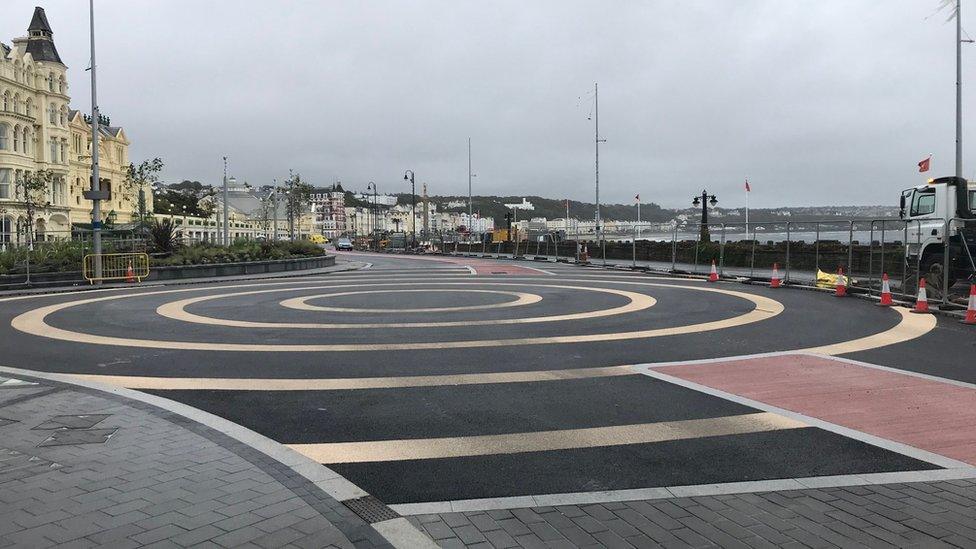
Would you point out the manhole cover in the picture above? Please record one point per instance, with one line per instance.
(65, 437)
(84, 421)
(371, 509)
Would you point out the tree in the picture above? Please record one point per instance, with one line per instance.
(137, 178)
(184, 198)
(32, 191)
(298, 194)
(266, 211)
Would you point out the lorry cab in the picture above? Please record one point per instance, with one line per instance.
(945, 204)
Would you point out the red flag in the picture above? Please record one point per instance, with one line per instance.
(748, 189)
(923, 166)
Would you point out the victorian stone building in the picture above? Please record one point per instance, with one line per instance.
(40, 131)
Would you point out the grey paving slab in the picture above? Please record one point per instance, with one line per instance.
(860, 516)
(158, 480)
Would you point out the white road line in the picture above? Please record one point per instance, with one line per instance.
(33, 322)
(265, 384)
(541, 441)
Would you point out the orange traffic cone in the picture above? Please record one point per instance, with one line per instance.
(922, 302)
(971, 309)
(775, 282)
(713, 276)
(885, 292)
(840, 289)
(130, 275)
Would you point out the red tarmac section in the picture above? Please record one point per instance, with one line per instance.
(927, 414)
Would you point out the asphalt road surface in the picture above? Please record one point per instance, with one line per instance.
(431, 380)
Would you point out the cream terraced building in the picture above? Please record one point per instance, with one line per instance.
(39, 131)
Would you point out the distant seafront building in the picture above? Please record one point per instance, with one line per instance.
(329, 204)
(39, 131)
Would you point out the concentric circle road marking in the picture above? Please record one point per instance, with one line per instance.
(176, 310)
(301, 303)
(34, 322)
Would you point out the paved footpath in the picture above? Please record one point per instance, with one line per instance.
(922, 514)
(83, 468)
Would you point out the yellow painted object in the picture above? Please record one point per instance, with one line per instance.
(828, 280)
(318, 239)
(117, 267)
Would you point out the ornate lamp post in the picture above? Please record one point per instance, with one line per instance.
(704, 200)
(374, 214)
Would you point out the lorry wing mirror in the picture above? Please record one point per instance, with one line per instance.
(901, 207)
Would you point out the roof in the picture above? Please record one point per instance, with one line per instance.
(39, 44)
(39, 21)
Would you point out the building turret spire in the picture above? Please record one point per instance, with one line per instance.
(40, 43)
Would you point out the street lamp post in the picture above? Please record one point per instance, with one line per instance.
(274, 205)
(226, 231)
(408, 175)
(374, 215)
(704, 200)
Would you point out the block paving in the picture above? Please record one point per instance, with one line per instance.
(160, 480)
(920, 514)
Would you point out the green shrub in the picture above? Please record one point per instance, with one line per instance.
(240, 251)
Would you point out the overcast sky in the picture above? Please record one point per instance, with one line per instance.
(816, 102)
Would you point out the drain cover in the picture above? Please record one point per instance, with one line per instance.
(65, 437)
(84, 421)
(370, 509)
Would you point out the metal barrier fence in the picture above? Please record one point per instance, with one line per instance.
(865, 249)
(127, 266)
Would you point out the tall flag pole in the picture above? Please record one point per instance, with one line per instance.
(637, 198)
(748, 190)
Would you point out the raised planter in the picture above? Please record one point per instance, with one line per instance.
(176, 272)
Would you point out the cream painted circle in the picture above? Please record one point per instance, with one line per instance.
(34, 322)
(301, 303)
(176, 310)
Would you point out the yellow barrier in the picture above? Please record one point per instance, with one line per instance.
(130, 267)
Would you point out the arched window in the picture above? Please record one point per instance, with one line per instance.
(64, 115)
(16, 105)
(52, 114)
(61, 84)
(6, 100)
(3, 136)
(17, 138)
(50, 81)
(26, 140)
(5, 181)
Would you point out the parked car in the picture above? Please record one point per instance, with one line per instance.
(343, 243)
(318, 239)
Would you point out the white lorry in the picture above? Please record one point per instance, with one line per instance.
(943, 205)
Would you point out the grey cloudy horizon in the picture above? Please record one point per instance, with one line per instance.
(816, 102)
